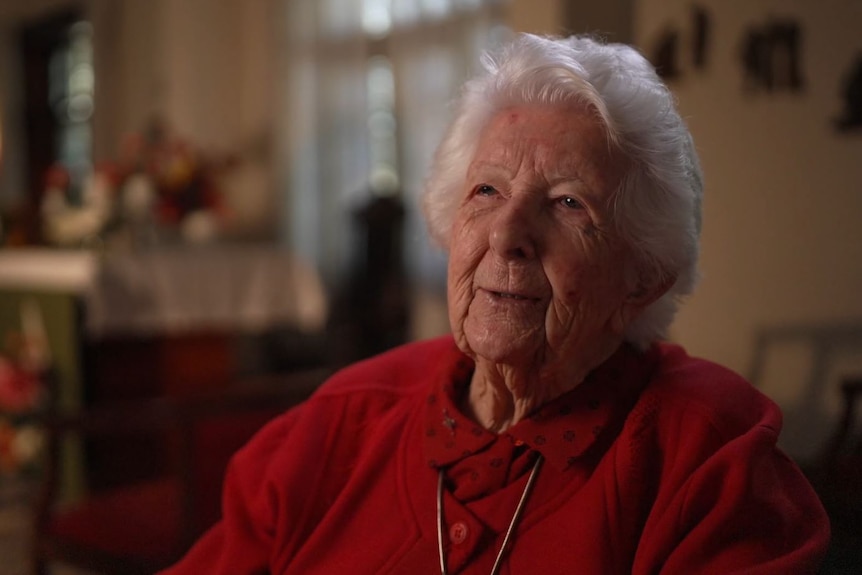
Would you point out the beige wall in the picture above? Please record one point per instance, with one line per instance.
(536, 16)
(611, 19)
(782, 241)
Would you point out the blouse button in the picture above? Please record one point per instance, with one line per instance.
(458, 532)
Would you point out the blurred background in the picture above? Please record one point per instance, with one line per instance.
(201, 196)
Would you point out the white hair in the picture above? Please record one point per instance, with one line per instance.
(657, 207)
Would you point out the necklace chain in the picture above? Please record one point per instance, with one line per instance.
(512, 524)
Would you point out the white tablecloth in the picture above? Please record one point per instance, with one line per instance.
(243, 288)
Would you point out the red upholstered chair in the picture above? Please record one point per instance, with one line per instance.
(148, 525)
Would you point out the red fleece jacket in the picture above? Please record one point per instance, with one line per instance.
(688, 480)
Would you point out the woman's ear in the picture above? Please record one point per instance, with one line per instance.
(647, 285)
(647, 288)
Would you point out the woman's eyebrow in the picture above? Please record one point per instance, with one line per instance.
(564, 176)
(492, 168)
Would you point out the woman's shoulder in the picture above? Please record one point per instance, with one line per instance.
(698, 388)
(361, 395)
(677, 367)
(355, 408)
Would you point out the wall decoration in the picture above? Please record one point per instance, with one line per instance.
(666, 53)
(851, 117)
(702, 23)
(771, 57)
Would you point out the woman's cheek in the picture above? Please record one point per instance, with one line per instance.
(460, 289)
(459, 296)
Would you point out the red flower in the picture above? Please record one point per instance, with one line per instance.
(20, 390)
(57, 176)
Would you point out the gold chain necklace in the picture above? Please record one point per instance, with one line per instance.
(512, 524)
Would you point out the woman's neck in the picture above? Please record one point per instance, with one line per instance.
(500, 396)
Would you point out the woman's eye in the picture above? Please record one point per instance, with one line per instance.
(485, 190)
(571, 203)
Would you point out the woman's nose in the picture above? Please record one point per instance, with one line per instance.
(515, 230)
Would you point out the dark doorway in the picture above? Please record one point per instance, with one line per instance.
(40, 41)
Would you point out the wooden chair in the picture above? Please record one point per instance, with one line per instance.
(144, 527)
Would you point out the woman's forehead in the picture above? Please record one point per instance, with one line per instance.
(560, 141)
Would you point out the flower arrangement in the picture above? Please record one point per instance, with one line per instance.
(158, 183)
(24, 362)
(22, 393)
(21, 389)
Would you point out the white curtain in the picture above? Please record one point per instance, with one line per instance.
(432, 46)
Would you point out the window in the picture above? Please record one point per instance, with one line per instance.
(70, 93)
(47, 99)
(366, 101)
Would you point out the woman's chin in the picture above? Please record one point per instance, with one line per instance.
(502, 346)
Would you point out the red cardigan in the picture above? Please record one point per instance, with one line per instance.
(689, 482)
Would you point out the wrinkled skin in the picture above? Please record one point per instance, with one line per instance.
(540, 285)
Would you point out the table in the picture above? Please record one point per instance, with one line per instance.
(155, 322)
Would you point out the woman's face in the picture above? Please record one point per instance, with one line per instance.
(538, 276)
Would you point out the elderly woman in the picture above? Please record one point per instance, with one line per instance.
(555, 432)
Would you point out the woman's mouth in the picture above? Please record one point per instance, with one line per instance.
(508, 295)
(511, 296)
